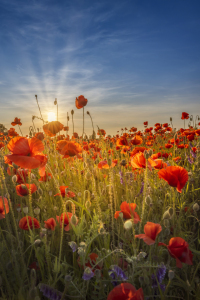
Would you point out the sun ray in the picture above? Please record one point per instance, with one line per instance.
(51, 116)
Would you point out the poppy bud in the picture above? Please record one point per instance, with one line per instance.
(72, 112)
(79, 194)
(15, 166)
(146, 280)
(167, 231)
(88, 112)
(148, 200)
(166, 215)
(109, 162)
(171, 211)
(74, 220)
(196, 207)
(170, 119)
(171, 274)
(121, 215)
(40, 191)
(25, 209)
(87, 205)
(83, 244)
(50, 193)
(23, 186)
(32, 176)
(14, 179)
(166, 222)
(37, 210)
(37, 242)
(146, 154)
(128, 224)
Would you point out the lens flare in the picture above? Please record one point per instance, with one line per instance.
(51, 116)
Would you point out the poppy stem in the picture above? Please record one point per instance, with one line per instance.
(20, 130)
(39, 108)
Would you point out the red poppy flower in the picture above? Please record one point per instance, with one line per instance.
(139, 161)
(4, 207)
(122, 141)
(52, 128)
(160, 164)
(185, 116)
(22, 175)
(69, 149)
(67, 218)
(12, 132)
(23, 189)
(175, 176)
(128, 211)
(145, 123)
(101, 132)
(75, 135)
(23, 223)
(90, 262)
(151, 231)
(80, 102)
(66, 128)
(16, 122)
(179, 249)
(63, 192)
(125, 291)
(50, 224)
(39, 136)
(26, 153)
(137, 140)
(46, 177)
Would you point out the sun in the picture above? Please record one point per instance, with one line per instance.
(51, 116)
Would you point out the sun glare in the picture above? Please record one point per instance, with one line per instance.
(51, 116)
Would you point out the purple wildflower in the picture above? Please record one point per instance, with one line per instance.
(88, 274)
(141, 190)
(168, 164)
(73, 245)
(116, 273)
(193, 154)
(160, 275)
(189, 159)
(50, 292)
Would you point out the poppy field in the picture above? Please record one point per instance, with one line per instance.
(100, 217)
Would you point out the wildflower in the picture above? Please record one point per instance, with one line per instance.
(128, 211)
(185, 116)
(26, 153)
(179, 249)
(23, 223)
(50, 224)
(49, 292)
(175, 176)
(16, 122)
(4, 207)
(116, 273)
(52, 128)
(67, 218)
(73, 245)
(151, 231)
(88, 274)
(121, 177)
(141, 190)
(23, 189)
(80, 102)
(125, 291)
(160, 275)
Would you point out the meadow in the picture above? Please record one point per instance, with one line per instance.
(100, 217)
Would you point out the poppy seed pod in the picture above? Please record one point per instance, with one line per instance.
(14, 179)
(196, 207)
(166, 215)
(25, 209)
(37, 210)
(148, 200)
(171, 274)
(128, 224)
(74, 220)
(40, 191)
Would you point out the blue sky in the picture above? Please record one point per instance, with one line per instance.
(134, 61)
